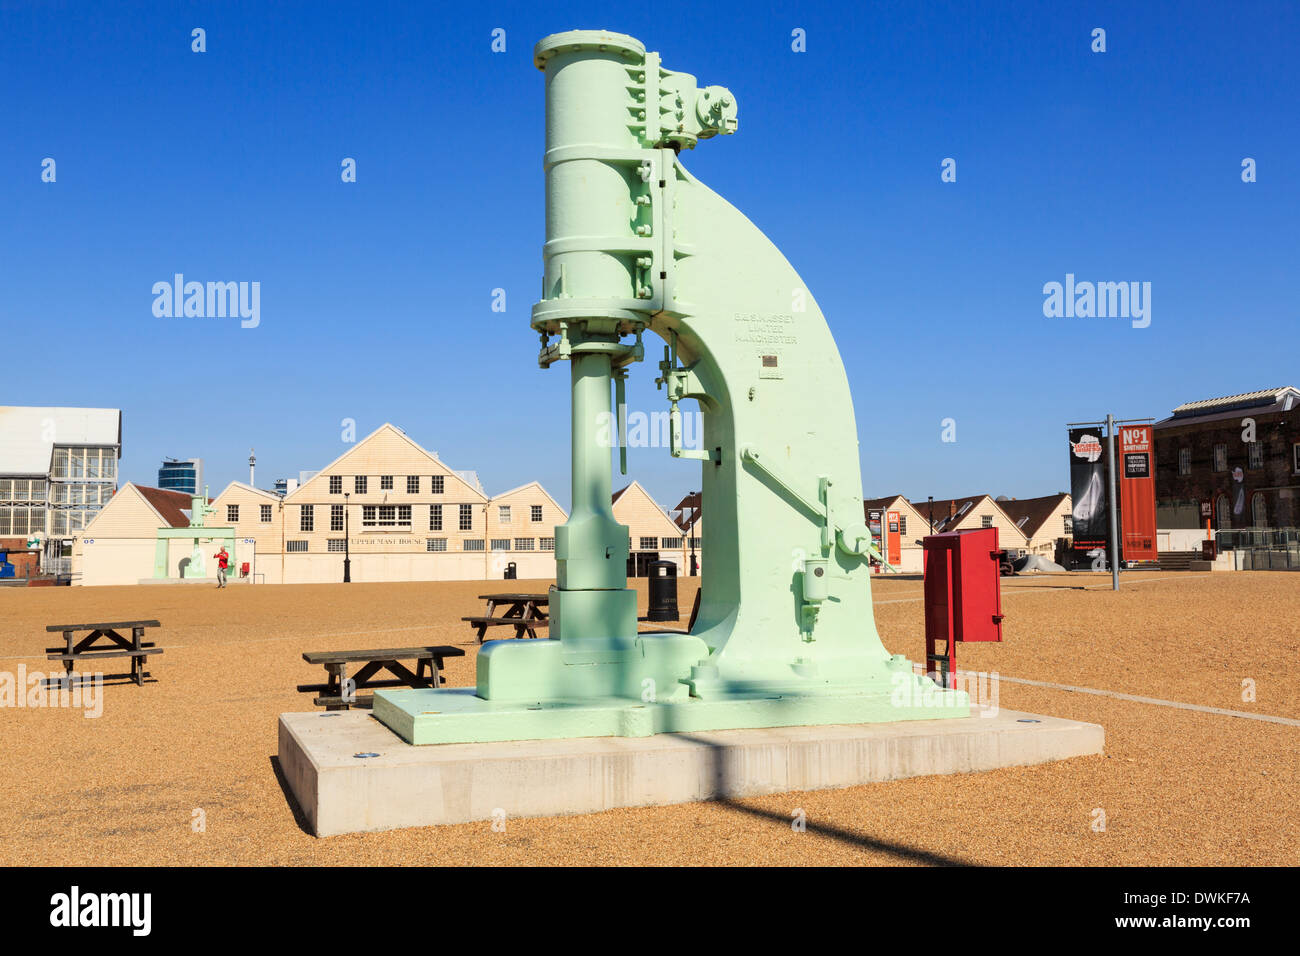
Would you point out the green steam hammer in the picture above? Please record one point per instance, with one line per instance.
(785, 633)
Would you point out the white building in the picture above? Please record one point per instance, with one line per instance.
(58, 469)
(393, 510)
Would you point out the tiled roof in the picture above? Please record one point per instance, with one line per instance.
(1265, 396)
(1028, 514)
(169, 504)
(688, 511)
(941, 509)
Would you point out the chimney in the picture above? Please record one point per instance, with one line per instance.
(952, 509)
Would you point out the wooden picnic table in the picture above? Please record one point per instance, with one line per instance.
(525, 613)
(340, 691)
(102, 640)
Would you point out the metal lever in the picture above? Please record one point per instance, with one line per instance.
(620, 416)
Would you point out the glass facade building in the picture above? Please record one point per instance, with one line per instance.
(183, 475)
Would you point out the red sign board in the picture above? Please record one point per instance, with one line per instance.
(894, 539)
(1137, 492)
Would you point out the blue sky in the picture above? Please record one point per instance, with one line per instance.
(376, 295)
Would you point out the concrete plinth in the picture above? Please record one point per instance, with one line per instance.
(402, 785)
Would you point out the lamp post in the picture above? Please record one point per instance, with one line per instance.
(347, 539)
(695, 565)
(930, 512)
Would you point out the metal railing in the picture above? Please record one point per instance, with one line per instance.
(56, 565)
(1261, 549)
(1230, 539)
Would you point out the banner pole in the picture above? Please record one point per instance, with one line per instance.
(1111, 503)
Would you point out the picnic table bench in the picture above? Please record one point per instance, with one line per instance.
(525, 613)
(101, 641)
(340, 690)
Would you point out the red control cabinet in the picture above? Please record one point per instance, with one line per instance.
(963, 595)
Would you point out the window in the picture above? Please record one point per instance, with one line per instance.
(232, 514)
(667, 543)
(902, 524)
(23, 489)
(435, 517)
(466, 517)
(472, 544)
(649, 544)
(385, 516)
(1068, 521)
(1255, 454)
(523, 544)
(306, 518)
(546, 544)
(1295, 458)
(536, 512)
(1184, 461)
(1258, 510)
(435, 544)
(986, 521)
(412, 484)
(335, 544)
(964, 508)
(435, 484)
(1223, 512)
(336, 517)
(385, 482)
(264, 513)
(359, 485)
(1220, 457)
(500, 544)
(695, 543)
(336, 484)
(295, 546)
(503, 514)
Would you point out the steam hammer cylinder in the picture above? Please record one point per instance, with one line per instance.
(589, 198)
(591, 162)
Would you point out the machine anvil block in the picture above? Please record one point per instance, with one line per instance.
(593, 615)
(634, 243)
(643, 669)
(591, 553)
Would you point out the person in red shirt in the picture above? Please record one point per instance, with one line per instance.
(223, 562)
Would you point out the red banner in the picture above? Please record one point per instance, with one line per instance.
(1137, 493)
(895, 539)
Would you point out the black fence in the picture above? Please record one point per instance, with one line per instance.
(1261, 549)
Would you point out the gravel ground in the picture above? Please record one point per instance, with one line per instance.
(1177, 787)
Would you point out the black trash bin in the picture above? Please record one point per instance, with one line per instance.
(512, 571)
(663, 591)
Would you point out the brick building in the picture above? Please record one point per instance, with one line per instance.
(1236, 458)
